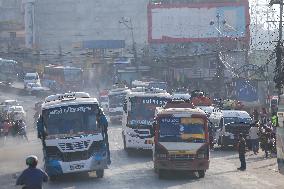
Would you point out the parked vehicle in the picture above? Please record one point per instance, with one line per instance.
(138, 116)
(74, 135)
(181, 139)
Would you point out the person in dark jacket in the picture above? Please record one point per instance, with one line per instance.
(104, 123)
(32, 178)
(242, 152)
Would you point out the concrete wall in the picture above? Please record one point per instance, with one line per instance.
(65, 22)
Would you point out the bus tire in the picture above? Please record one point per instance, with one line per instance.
(100, 173)
(201, 174)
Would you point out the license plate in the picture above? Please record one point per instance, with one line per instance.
(76, 167)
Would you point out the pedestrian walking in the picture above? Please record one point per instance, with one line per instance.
(242, 152)
(254, 138)
(255, 115)
(263, 115)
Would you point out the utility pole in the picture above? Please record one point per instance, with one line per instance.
(124, 21)
(278, 78)
(220, 67)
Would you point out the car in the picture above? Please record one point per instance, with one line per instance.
(33, 88)
(17, 112)
(4, 106)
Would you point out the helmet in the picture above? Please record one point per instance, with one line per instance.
(32, 161)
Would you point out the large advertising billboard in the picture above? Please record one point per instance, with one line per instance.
(198, 22)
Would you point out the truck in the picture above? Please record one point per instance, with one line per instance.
(31, 78)
(73, 131)
(280, 135)
(138, 117)
(8, 72)
(116, 98)
(230, 123)
(181, 139)
(103, 99)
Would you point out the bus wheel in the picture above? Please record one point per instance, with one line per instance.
(100, 173)
(201, 174)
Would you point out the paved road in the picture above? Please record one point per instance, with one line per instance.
(136, 170)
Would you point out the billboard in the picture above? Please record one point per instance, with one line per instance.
(246, 91)
(198, 22)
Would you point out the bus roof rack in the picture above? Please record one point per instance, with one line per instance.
(66, 96)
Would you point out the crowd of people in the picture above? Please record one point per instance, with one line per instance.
(262, 135)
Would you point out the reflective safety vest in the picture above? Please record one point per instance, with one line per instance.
(274, 120)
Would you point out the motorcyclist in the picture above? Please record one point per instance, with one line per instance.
(32, 177)
(22, 129)
(6, 128)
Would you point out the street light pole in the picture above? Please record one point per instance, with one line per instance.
(220, 66)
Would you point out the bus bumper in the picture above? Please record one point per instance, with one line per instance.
(96, 162)
(137, 143)
(183, 165)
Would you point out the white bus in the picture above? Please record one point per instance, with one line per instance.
(74, 139)
(138, 117)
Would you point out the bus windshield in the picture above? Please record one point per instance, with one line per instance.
(237, 120)
(116, 100)
(71, 120)
(143, 110)
(173, 129)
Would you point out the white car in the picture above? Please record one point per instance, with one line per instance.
(7, 104)
(17, 112)
(35, 87)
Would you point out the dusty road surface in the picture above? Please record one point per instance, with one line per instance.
(136, 169)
